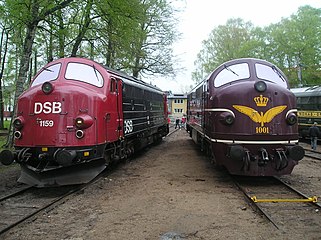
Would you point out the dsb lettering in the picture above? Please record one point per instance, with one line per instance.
(47, 107)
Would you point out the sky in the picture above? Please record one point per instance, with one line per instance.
(197, 18)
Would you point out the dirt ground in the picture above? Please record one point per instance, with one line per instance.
(168, 192)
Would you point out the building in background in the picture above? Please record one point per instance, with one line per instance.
(177, 105)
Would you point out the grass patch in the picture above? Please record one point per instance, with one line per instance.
(3, 141)
(4, 168)
(4, 133)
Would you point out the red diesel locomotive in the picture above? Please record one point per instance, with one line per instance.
(244, 116)
(77, 117)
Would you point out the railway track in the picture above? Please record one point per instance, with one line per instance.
(312, 154)
(285, 207)
(172, 131)
(21, 205)
(308, 151)
(26, 203)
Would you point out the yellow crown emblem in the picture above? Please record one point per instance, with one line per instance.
(261, 101)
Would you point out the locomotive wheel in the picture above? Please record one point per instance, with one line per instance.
(157, 139)
(107, 158)
(211, 155)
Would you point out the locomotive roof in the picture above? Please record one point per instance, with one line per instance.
(132, 80)
(278, 77)
(123, 76)
(307, 91)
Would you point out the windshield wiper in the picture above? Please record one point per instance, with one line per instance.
(228, 69)
(47, 69)
(95, 70)
(278, 73)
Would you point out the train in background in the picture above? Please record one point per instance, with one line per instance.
(309, 108)
(77, 117)
(244, 116)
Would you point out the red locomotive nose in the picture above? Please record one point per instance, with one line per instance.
(84, 115)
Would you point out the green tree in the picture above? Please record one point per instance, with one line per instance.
(138, 42)
(3, 56)
(29, 17)
(297, 41)
(134, 36)
(226, 42)
(28, 14)
(156, 32)
(293, 44)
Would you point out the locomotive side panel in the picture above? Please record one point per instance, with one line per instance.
(144, 114)
(136, 110)
(112, 116)
(309, 108)
(195, 113)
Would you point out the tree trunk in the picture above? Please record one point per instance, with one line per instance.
(22, 75)
(24, 63)
(83, 30)
(31, 28)
(61, 35)
(3, 59)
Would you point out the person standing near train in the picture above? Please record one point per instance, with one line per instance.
(314, 133)
(177, 123)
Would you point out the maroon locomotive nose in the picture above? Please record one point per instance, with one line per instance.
(245, 117)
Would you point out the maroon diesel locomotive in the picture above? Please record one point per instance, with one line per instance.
(244, 116)
(77, 117)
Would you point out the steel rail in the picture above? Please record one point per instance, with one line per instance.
(312, 151)
(252, 203)
(255, 202)
(170, 133)
(46, 206)
(56, 200)
(15, 193)
(35, 212)
(315, 203)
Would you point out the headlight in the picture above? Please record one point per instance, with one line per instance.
(18, 123)
(80, 134)
(291, 119)
(47, 88)
(260, 86)
(17, 134)
(227, 118)
(79, 122)
(83, 121)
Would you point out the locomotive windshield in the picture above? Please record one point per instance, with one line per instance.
(271, 74)
(232, 73)
(47, 74)
(240, 71)
(84, 73)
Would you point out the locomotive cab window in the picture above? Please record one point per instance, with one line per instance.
(113, 85)
(271, 74)
(232, 73)
(84, 73)
(47, 74)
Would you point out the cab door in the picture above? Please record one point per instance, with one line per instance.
(114, 115)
